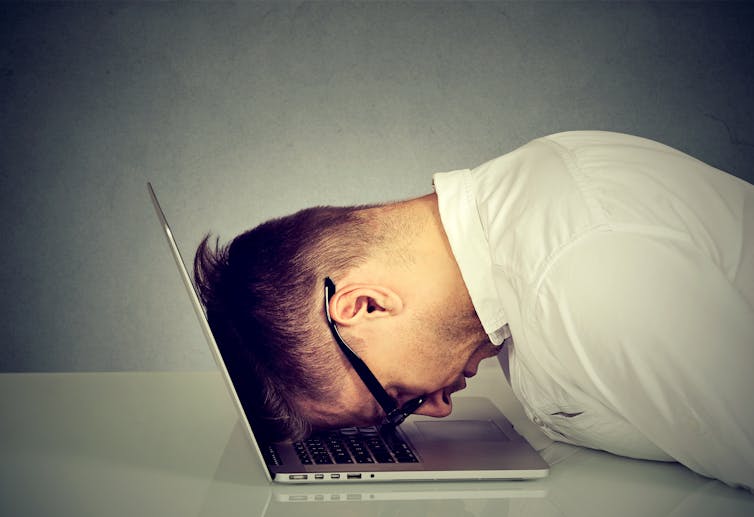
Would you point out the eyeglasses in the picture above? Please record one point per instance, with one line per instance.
(395, 414)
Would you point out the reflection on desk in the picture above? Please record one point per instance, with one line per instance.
(170, 444)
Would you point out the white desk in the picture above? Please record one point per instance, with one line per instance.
(164, 444)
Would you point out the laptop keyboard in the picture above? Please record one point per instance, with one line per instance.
(354, 445)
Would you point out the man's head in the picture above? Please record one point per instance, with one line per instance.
(400, 304)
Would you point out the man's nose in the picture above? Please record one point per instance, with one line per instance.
(438, 404)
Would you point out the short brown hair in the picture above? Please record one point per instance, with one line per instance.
(263, 296)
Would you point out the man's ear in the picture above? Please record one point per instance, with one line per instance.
(357, 303)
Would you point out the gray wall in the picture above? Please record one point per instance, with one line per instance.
(241, 112)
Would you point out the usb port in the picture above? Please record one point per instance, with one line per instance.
(353, 476)
(319, 476)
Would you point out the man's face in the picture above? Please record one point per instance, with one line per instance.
(430, 356)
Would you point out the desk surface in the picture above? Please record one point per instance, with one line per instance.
(170, 444)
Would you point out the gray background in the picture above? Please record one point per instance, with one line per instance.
(241, 112)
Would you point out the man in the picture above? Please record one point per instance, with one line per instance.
(616, 272)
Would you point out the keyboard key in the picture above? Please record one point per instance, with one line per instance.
(354, 445)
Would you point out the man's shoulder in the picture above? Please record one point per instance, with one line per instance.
(585, 138)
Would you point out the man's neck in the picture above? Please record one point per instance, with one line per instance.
(417, 252)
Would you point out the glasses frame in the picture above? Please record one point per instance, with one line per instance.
(394, 414)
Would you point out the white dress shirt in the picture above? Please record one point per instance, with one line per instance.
(624, 270)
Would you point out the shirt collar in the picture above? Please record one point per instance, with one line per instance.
(468, 241)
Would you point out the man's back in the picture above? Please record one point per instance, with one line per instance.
(624, 269)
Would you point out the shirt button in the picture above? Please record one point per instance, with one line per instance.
(538, 421)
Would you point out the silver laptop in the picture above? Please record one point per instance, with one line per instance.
(475, 442)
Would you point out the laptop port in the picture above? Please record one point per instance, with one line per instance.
(297, 477)
(353, 476)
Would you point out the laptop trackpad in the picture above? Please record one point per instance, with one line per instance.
(452, 430)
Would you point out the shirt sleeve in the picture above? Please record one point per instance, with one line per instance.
(652, 327)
